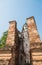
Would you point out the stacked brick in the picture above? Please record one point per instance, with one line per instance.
(35, 42)
(12, 40)
(11, 34)
(32, 30)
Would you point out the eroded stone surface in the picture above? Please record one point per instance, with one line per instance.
(26, 44)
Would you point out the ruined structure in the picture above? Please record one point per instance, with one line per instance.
(22, 48)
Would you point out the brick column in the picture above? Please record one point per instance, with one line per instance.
(32, 30)
(35, 42)
(11, 33)
(12, 40)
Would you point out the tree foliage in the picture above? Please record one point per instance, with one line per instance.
(3, 39)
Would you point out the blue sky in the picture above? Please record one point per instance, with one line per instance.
(19, 10)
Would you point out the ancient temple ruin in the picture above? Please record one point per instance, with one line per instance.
(22, 48)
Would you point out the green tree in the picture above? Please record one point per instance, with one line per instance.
(3, 39)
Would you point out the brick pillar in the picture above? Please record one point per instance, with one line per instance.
(12, 40)
(35, 42)
(11, 33)
(32, 30)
